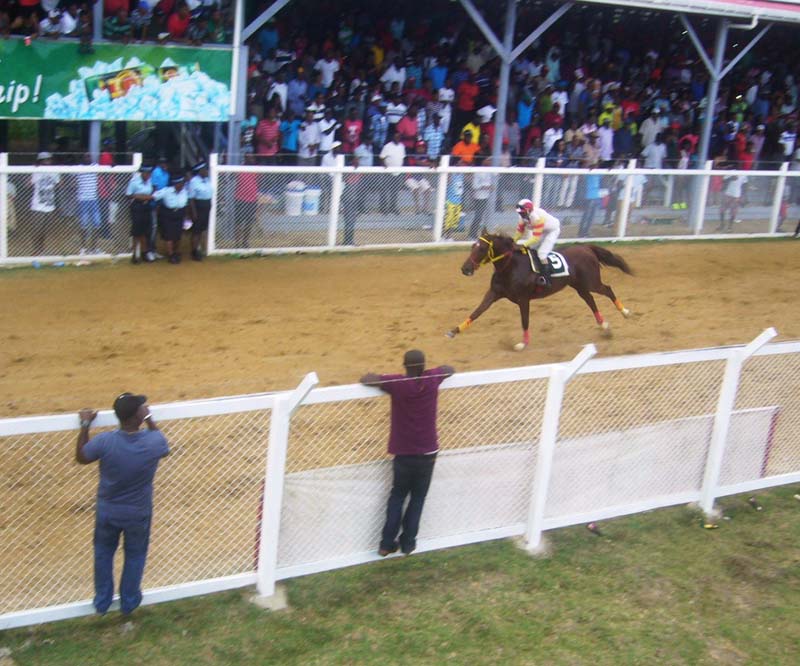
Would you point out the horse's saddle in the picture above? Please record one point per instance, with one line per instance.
(558, 264)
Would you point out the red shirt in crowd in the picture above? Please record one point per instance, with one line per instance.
(178, 24)
(465, 96)
(246, 188)
(111, 7)
(409, 129)
(352, 135)
(268, 134)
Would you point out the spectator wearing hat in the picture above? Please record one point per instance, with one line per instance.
(413, 441)
(465, 149)
(139, 193)
(43, 202)
(200, 192)
(173, 201)
(129, 458)
(50, 25)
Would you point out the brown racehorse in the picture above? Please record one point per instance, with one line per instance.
(513, 278)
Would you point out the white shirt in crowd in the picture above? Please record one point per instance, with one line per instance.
(393, 75)
(394, 112)
(307, 137)
(733, 186)
(87, 186)
(551, 135)
(326, 137)
(281, 90)
(328, 69)
(43, 199)
(654, 155)
(788, 140)
(393, 154)
(481, 185)
(329, 159)
(605, 137)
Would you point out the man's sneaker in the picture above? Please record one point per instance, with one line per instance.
(149, 257)
(157, 255)
(383, 552)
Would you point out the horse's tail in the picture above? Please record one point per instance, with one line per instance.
(608, 258)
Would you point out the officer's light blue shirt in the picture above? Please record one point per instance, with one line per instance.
(200, 188)
(172, 199)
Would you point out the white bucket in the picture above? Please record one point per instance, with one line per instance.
(311, 201)
(294, 202)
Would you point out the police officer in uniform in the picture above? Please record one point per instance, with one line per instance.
(139, 192)
(200, 193)
(173, 201)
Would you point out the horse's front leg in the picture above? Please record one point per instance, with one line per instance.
(488, 299)
(524, 316)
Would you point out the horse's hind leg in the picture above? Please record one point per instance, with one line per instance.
(605, 290)
(586, 295)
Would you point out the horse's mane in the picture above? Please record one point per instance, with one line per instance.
(502, 242)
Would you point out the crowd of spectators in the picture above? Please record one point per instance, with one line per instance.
(192, 22)
(598, 87)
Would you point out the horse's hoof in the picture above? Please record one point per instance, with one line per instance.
(450, 335)
(519, 346)
(625, 312)
(605, 326)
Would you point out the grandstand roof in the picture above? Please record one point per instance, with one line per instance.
(787, 11)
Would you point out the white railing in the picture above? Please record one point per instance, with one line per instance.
(524, 450)
(318, 209)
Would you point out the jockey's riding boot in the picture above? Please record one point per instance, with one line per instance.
(544, 273)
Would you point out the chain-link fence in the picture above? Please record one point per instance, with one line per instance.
(631, 434)
(57, 211)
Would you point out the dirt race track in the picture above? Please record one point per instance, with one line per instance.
(78, 336)
(74, 337)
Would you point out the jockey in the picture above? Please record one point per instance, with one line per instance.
(544, 230)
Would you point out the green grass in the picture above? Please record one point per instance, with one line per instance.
(655, 588)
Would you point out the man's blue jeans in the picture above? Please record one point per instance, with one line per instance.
(106, 539)
(412, 476)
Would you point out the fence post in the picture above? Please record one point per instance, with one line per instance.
(272, 498)
(702, 197)
(777, 200)
(538, 182)
(441, 193)
(624, 207)
(560, 375)
(213, 171)
(4, 203)
(722, 417)
(336, 200)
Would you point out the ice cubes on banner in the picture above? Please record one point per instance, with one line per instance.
(170, 91)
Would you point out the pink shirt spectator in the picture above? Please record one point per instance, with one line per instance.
(267, 137)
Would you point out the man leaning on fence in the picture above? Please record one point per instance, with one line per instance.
(413, 441)
(128, 459)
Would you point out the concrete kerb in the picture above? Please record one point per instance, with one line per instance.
(276, 602)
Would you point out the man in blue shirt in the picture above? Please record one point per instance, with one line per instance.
(128, 459)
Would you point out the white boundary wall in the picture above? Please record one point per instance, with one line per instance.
(526, 487)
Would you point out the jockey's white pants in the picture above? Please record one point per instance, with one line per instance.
(548, 242)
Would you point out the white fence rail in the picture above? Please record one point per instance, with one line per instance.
(523, 450)
(286, 209)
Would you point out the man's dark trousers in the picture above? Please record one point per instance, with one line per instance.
(412, 474)
(106, 539)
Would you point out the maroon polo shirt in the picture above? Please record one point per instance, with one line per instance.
(414, 402)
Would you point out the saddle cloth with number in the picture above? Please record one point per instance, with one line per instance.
(558, 263)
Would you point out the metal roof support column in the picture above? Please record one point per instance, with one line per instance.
(502, 92)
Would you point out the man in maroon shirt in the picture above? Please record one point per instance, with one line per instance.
(414, 443)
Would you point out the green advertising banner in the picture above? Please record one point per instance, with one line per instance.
(46, 79)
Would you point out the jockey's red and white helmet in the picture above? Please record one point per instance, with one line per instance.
(525, 206)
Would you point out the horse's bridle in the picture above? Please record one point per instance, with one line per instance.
(491, 257)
